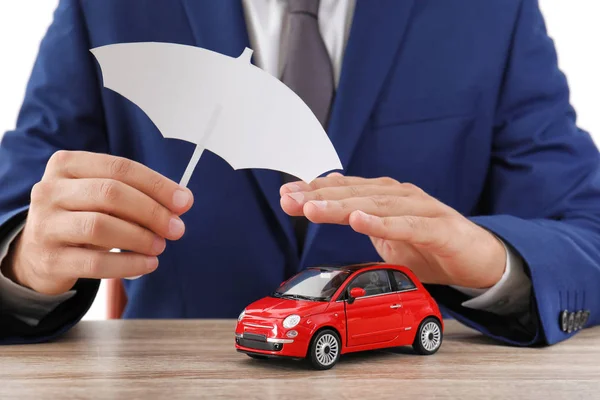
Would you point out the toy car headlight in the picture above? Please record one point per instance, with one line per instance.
(242, 314)
(291, 321)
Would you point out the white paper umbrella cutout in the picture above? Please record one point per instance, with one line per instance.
(223, 104)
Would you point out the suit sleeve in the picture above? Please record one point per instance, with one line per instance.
(542, 199)
(61, 110)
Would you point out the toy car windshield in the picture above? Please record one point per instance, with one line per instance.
(313, 284)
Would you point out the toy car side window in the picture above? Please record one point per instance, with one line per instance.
(403, 282)
(373, 282)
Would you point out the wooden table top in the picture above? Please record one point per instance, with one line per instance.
(167, 359)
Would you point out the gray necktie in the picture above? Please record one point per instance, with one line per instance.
(307, 70)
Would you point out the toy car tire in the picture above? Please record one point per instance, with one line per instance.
(429, 337)
(257, 356)
(325, 349)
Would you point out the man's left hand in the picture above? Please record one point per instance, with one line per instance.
(406, 225)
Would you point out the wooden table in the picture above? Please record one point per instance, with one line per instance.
(196, 359)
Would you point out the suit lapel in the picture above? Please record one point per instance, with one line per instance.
(373, 44)
(221, 26)
(218, 25)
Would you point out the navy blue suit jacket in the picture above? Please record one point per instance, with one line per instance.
(462, 98)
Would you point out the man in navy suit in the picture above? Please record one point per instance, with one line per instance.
(461, 156)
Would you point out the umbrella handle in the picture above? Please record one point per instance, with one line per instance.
(200, 147)
(191, 165)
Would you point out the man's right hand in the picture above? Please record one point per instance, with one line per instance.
(87, 204)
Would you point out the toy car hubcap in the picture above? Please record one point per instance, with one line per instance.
(430, 336)
(327, 349)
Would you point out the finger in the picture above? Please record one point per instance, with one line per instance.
(77, 262)
(334, 180)
(422, 231)
(103, 231)
(339, 211)
(293, 203)
(81, 165)
(120, 200)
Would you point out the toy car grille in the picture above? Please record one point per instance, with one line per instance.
(254, 336)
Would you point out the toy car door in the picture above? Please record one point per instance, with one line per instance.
(411, 299)
(375, 317)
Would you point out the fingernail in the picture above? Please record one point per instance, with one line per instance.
(158, 245)
(320, 204)
(176, 227)
(362, 214)
(151, 263)
(291, 187)
(298, 197)
(181, 198)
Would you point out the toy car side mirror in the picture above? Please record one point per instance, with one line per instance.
(355, 293)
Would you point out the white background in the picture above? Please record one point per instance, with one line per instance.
(572, 24)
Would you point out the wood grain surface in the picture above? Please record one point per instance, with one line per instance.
(167, 359)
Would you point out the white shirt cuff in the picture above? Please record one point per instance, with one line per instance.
(510, 295)
(25, 304)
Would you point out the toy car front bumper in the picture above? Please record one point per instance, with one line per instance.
(260, 342)
(270, 347)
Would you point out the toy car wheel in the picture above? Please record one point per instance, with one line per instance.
(257, 356)
(325, 349)
(429, 337)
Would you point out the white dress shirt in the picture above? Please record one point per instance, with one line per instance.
(264, 19)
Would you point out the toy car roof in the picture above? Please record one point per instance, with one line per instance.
(351, 267)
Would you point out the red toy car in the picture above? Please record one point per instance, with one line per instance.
(323, 312)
